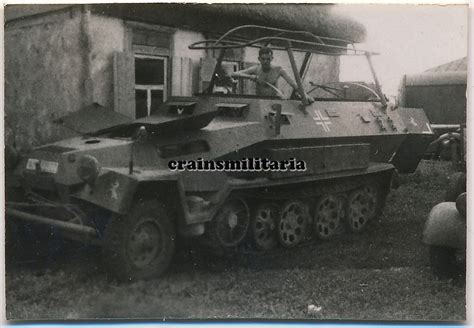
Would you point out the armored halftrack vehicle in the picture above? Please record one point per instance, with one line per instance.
(225, 167)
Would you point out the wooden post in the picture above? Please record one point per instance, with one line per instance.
(303, 68)
(376, 80)
(297, 76)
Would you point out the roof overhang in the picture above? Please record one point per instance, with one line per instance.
(219, 18)
(216, 18)
(441, 78)
(14, 12)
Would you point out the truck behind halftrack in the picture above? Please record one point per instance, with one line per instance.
(133, 186)
(442, 95)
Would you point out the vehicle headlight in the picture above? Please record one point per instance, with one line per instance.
(88, 169)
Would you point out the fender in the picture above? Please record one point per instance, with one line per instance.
(115, 189)
(445, 227)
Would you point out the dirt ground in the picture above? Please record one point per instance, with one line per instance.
(381, 274)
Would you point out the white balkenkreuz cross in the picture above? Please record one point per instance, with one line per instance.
(324, 121)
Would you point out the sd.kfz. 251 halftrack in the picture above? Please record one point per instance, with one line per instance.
(121, 186)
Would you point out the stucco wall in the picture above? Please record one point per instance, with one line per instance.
(43, 76)
(106, 35)
(181, 40)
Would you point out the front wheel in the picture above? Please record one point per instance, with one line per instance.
(139, 245)
(444, 262)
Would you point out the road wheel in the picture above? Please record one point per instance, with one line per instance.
(444, 262)
(231, 223)
(293, 223)
(264, 230)
(363, 205)
(327, 216)
(139, 245)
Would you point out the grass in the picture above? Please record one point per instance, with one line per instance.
(382, 274)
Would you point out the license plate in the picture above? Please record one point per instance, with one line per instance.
(45, 166)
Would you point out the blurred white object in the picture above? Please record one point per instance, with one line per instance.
(312, 309)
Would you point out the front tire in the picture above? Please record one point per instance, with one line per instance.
(139, 245)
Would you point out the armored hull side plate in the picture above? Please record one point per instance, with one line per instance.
(323, 159)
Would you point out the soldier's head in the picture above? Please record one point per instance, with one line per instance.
(265, 57)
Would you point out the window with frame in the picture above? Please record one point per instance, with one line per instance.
(151, 46)
(150, 83)
(146, 73)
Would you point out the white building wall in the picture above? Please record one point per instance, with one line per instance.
(189, 62)
(44, 75)
(107, 35)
